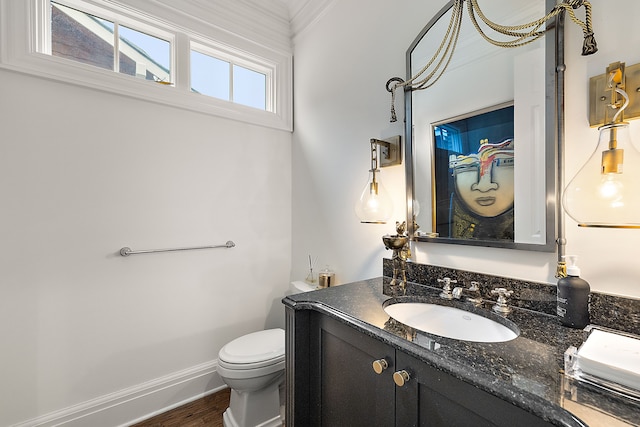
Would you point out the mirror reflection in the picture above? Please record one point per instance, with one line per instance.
(481, 138)
(474, 175)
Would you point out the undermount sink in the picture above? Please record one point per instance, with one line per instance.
(449, 322)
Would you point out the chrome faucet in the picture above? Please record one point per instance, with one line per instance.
(501, 305)
(472, 293)
(446, 289)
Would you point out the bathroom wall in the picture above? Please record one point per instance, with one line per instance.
(84, 173)
(341, 68)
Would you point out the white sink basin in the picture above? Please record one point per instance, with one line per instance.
(449, 322)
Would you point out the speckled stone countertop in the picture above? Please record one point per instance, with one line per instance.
(526, 371)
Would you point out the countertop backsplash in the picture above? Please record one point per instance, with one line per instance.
(605, 310)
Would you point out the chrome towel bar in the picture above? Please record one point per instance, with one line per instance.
(128, 251)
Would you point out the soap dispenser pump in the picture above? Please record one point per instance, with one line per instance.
(573, 297)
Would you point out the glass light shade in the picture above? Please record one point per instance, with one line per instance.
(606, 191)
(374, 205)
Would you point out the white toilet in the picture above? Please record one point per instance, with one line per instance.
(253, 367)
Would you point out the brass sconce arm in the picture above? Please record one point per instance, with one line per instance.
(613, 92)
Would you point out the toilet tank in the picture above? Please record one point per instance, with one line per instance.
(299, 286)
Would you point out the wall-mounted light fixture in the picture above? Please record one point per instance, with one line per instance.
(606, 190)
(374, 205)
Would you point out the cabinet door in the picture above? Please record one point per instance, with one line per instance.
(434, 398)
(348, 390)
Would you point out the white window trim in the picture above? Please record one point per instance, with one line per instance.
(21, 34)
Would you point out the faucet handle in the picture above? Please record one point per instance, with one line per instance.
(502, 293)
(501, 305)
(446, 289)
(447, 282)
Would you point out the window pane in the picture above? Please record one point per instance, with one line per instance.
(209, 75)
(81, 37)
(144, 56)
(249, 87)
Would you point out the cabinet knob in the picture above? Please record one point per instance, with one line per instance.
(400, 377)
(380, 365)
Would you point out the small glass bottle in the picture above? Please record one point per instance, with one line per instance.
(311, 277)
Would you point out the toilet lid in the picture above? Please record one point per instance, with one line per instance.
(254, 347)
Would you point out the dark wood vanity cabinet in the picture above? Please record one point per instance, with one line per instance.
(349, 391)
(331, 382)
(434, 398)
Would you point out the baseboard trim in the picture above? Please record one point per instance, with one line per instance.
(137, 403)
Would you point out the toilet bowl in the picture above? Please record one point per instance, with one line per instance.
(253, 367)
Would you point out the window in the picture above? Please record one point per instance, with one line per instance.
(210, 76)
(447, 137)
(249, 87)
(227, 79)
(113, 47)
(143, 55)
(92, 40)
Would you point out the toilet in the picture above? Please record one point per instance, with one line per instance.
(253, 367)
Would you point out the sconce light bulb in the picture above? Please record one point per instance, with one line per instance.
(611, 189)
(373, 204)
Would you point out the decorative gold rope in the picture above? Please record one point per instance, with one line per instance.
(449, 42)
(523, 34)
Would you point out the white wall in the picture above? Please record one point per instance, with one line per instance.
(341, 68)
(84, 173)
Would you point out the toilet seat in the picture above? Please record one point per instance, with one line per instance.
(254, 350)
(249, 366)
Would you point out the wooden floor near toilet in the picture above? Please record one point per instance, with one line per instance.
(199, 413)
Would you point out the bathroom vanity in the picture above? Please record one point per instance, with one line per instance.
(349, 363)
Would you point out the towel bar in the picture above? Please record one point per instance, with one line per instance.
(128, 251)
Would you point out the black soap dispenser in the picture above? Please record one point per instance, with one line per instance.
(573, 297)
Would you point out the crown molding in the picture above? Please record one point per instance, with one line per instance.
(272, 23)
(306, 13)
(263, 22)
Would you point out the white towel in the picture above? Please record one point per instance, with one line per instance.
(611, 357)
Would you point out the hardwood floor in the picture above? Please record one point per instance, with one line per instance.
(199, 413)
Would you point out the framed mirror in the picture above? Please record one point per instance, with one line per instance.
(481, 141)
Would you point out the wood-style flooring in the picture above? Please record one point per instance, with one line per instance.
(199, 413)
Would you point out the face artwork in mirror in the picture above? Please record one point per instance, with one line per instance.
(481, 139)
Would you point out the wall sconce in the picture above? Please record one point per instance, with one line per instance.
(374, 205)
(606, 190)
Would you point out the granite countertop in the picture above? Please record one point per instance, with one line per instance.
(526, 371)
